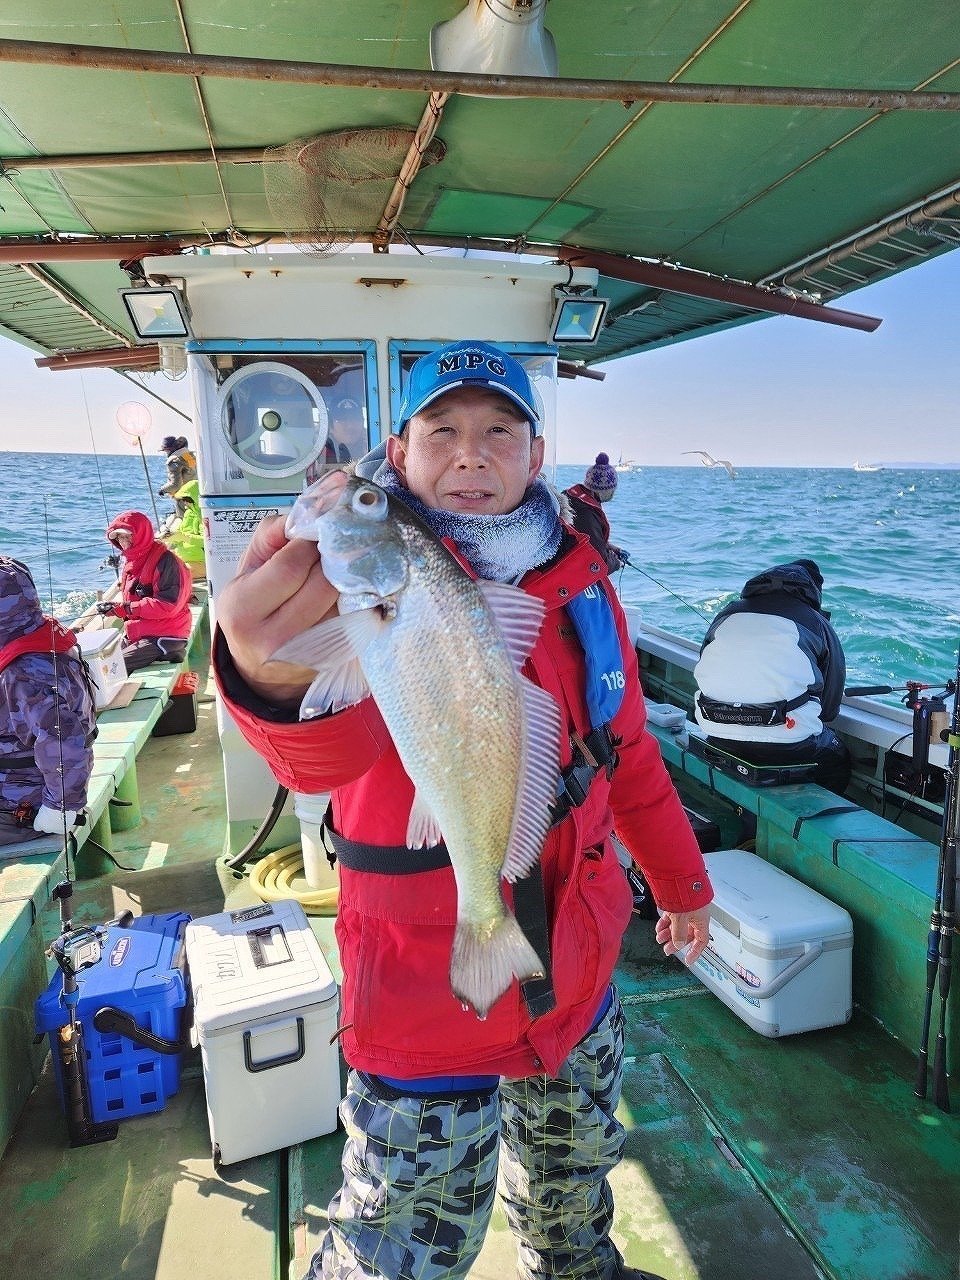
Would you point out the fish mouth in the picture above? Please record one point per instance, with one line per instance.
(322, 496)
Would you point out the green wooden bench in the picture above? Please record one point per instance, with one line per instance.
(855, 858)
(29, 871)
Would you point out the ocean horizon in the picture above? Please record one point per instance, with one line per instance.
(885, 542)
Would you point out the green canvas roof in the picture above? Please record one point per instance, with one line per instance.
(759, 194)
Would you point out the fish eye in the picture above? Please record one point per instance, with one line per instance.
(370, 502)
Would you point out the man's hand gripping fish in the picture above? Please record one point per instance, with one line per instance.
(441, 654)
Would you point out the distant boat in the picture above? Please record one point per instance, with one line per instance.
(867, 466)
(707, 461)
(626, 464)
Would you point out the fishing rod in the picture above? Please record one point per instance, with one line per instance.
(143, 387)
(56, 688)
(911, 686)
(943, 920)
(93, 445)
(113, 560)
(146, 472)
(625, 560)
(929, 715)
(73, 949)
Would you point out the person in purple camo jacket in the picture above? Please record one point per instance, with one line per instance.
(47, 716)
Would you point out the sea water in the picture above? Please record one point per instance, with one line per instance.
(887, 542)
(55, 511)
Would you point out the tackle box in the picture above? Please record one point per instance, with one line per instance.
(755, 775)
(102, 651)
(780, 954)
(265, 1017)
(180, 713)
(140, 972)
(705, 829)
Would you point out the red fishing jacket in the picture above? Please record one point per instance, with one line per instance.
(155, 584)
(396, 932)
(50, 637)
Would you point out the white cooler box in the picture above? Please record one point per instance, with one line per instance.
(101, 651)
(265, 1011)
(780, 954)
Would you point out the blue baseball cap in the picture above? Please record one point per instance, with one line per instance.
(468, 363)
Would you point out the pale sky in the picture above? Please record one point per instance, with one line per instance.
(782, 392)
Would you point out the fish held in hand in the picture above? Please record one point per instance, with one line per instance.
(441, 654)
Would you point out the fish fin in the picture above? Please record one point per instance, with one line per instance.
(484, 964)
(537, 789)
(333, 691)
(331, 648)
(333, 642)
(518, 615)
(423, 830)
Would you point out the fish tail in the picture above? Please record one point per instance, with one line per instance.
(484, 963)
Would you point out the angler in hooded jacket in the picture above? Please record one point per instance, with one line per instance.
(47, 724)
(187, 538)
(433, 1090)
(181, 469)
(155, 589)
(771, 675)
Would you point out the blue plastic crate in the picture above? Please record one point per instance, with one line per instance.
(141, 971)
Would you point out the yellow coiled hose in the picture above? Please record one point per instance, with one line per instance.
(272, 880)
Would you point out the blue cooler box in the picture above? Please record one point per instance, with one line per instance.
(141, 971)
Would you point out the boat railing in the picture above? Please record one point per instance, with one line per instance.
(884, 726)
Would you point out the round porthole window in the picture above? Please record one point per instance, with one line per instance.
(273, 419)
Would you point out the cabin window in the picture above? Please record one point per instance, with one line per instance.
(292, 415)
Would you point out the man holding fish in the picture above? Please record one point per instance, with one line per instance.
(455, 669)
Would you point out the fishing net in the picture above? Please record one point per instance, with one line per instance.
(326, 191)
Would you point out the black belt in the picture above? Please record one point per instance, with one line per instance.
(9, 763)
(591, 754)
(529, 904)
(380, 859)
(761, 714)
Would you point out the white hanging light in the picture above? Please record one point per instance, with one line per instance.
(173, 361)
(495, 37)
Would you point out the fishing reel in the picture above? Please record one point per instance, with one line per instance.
(81, 948)
(930, 718)
(24, 814)
(77, 949)
(931, 721)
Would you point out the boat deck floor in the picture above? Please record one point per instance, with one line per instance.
(746, 1157)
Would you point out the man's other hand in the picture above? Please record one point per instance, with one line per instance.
(677, 930)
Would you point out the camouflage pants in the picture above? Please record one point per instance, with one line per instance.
(420, 1173)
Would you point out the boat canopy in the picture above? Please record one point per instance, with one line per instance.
(718, 161)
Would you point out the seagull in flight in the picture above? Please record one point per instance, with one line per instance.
(713, 462)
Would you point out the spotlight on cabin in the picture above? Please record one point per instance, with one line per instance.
(495, 37)
(157, 314)
(578, 316)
